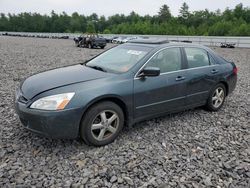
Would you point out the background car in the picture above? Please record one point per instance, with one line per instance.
(109, 39)
(128, 39)
(118, 40)
(122, 86)
(90, 41)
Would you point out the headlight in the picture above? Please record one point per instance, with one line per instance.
(53, 102)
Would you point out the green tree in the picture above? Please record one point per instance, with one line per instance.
(75, 22)
(220, 29)
(227, 15)
(107, 31)
(238, 11)
(91, 27)
(233, 22)
(184, 11)
(164, 14)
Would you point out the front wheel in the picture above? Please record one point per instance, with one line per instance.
(216, 98)
(102, 124)
(77, 44)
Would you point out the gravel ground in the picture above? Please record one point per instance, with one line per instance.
(194, 148)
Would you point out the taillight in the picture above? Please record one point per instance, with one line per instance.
(235, 70)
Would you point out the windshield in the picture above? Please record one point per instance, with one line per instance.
(119, 59)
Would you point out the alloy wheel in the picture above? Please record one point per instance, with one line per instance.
(218, 97)
(104, 125)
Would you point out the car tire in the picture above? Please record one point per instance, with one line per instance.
(216, 98)
(90, 46)
(102, 47)
(102, 124)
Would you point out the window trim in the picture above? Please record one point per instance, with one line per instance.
(211, 57)
(184, 61)
(137, 78)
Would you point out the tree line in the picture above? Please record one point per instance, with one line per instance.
(230, 22)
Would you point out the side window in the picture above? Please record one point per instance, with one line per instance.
(167, 60)
(196, 57)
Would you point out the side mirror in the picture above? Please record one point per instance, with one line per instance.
(150, 72)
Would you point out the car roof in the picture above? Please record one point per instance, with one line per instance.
(149, 41)
(161, 43)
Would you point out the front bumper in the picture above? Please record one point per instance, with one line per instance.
(52, 124)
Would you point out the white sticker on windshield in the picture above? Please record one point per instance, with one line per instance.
(134, 52)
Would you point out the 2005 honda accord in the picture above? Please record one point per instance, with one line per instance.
(124, 85)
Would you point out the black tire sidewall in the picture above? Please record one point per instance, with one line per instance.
(85, 129)
(90, 46)
(210, 105)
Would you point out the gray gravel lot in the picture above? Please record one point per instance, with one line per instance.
(194, 148)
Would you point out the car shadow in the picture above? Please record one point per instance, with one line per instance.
(78, 143)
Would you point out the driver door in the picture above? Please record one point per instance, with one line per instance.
(163, 93)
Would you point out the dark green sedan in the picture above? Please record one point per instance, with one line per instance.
(129, 83)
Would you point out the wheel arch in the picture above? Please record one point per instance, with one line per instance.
(112, 98)
(226, 86)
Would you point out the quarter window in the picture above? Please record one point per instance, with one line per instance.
(212, 61)
(166, 60)
(196, 57)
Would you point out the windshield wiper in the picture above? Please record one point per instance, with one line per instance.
(97, 68)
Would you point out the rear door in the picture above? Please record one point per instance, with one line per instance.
(202, 75)
(163, 93)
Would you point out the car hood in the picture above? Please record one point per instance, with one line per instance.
(48, 80)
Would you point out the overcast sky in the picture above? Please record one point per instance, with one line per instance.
(110, 7)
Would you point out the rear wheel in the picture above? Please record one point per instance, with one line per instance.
(102, 124)
(90, 46)
(216, 98)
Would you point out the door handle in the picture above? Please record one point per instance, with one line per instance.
(180, 78)
(214, 71)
